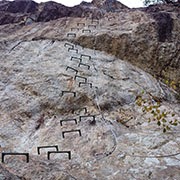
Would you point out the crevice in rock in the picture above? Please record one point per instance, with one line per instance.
(106, 74)
(164, 26)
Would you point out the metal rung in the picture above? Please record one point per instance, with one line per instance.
(72, 49)
(76, 58)
(84, 55)
(86, 30)
(14, 154)
(82, 64)
(68, 67)
(80, 77)
(59, 152)
(71, 34)
(71, 131)
(78, 24)
(68, 44)
(91, 116)
(45, 147)
(90, 84)
(69, 92)
(65, 120)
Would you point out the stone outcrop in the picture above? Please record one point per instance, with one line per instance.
(12, 12)
(119, 143)
(21, 7)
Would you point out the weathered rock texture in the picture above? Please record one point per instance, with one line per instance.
(39, 61)
(147, 40)
(18, 11)
(119, 145)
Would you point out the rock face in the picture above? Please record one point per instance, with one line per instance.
(119, 143)
(150, 41)
(47, 11)
(21, 7)
(54, 91)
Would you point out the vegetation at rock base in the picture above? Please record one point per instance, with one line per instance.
(151, 105)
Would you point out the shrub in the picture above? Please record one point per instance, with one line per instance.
(151, 105)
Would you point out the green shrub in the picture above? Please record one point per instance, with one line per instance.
(151, 105)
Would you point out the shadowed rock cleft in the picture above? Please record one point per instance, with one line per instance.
(164, 26)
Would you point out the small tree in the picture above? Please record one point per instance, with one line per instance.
(151, 105)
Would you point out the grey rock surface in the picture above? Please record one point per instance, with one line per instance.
(67, 69)
(33, 76)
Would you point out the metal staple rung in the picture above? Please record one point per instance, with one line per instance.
(90, 84)
(14, 154)
(69, 92)
(86, 30)
(65, 120)
(92, 116)
(68, 44)
(84, 65)
(84, 55)
(80, 77)
(72, 49)
(71, 131)
(44, 147)
(78, 24)
(71, 34)
(68, 67)
(59, 152)
(76, 58)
